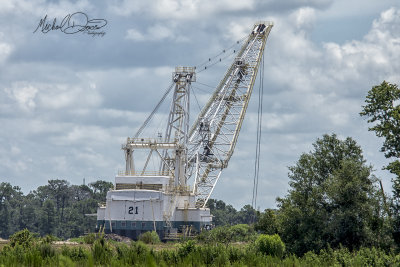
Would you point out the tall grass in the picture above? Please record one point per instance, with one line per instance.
(102, 252)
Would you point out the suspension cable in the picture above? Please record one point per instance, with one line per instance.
(258, 139)
(154, 111)
(209, 63)
(195, 97)
(213, 87)
(216, 62)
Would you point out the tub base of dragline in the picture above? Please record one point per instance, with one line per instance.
(131, 210)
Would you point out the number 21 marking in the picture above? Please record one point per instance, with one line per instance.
(130, 210)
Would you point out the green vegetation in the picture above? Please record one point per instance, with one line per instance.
(227, 215)
(270, 245)
(150, 238)
(333, 200)
(228, 234)
(267, 250)
(22, 238)
(383, 110)
(57, 208)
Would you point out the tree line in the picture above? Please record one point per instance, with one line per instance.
(57, 208)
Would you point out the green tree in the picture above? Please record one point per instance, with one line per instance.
(59, 191)
(47, 221)
(351, 193)
(331, 200)
(267, 222)
(29, 209)
(223, 214)
(10, 199)
(383, 110)
(100, 189)
(56, 208)
(246, 215)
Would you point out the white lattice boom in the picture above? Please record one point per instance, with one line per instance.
(214, 134)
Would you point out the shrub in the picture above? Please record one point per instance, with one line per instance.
(150, 237)
(64, 261)
(235, 254)
(270, 245)
(23, 238)
(75, 253)
(169, 256)
(227, 234)
(311, 259)
(186, 248)
(49, 239)
(89, 238)
(241, 232)
(46, 250)
(214, 254)
(137, 252)
(32, 257)
(220, 234)
(102, 251)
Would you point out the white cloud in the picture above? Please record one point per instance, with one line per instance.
(275, 121)
(377, 56)
(15, 150)
(334, 66)
(24, 94)
(127, 7)
(60, 163)
(353, 8)
(53, 96)
(180, 9)
(236, 30)
(304, 18)
(58, 9)
(80, 134)
(58, 96)
(135, 35)
(5, 51)
(156, 32)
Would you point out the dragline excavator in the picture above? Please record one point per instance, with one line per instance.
(162, 199)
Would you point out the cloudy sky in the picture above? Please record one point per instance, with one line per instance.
(68, 101)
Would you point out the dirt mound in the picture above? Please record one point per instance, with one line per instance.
(118, 238)
(67, 242)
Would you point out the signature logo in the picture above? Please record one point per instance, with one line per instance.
(73, 23)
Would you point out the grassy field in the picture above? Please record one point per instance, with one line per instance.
(28, 250)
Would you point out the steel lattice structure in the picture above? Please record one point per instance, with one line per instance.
(213, 136)
(204, 151)
(178, 124)
(154, 190)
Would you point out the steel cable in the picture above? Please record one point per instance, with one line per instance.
(154, 111)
